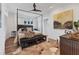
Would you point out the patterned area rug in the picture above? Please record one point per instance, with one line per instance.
(45, 48)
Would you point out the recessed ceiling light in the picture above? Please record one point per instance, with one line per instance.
(51, 7)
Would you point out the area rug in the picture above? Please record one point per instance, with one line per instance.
(49, 47)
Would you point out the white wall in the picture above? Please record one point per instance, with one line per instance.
(10, 24)
(3, 29)
(55, 33)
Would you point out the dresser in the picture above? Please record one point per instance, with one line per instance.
(69, 44)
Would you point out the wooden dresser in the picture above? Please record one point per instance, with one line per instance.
(69, 44)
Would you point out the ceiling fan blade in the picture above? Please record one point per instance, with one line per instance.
(38, 10)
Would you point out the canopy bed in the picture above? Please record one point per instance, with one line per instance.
(30, 22)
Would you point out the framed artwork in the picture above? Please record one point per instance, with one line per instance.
(31, 22)
(25, 22)
(28, 22)
(63, 20)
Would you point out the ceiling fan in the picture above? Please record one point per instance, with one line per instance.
(34, 6)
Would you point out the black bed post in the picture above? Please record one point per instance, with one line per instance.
(17, 28)
(17, 19)
(41, 23)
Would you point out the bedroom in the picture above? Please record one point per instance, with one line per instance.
(35, 17)
(44, 23)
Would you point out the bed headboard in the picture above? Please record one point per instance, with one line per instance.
(25, 26)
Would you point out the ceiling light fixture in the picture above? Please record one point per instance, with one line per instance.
(51, 7)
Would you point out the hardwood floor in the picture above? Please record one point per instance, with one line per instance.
(9, 45)
(44, 48)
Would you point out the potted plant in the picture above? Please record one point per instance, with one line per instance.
(76, 24)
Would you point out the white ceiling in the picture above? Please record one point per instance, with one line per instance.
(45, 7)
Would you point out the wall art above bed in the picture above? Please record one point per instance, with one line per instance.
(63, 20)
